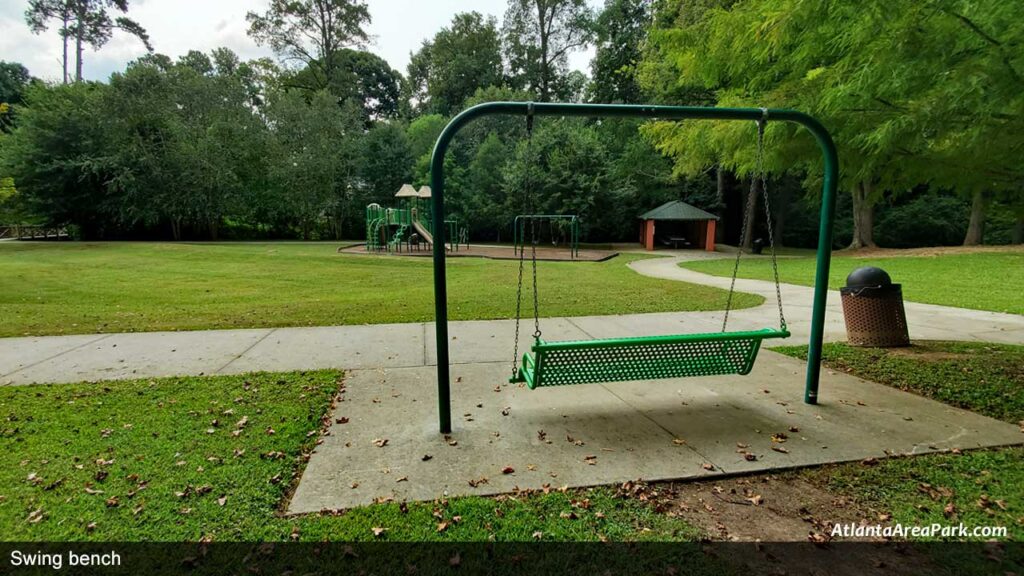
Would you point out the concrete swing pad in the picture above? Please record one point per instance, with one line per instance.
(606, 434)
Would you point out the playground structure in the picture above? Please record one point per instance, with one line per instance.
(557, 224)
(646, 357)
(409, 227)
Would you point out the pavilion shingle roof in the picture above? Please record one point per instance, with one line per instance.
(677, 210)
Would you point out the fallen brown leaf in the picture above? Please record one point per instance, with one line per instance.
(817, 537)
(950, 510)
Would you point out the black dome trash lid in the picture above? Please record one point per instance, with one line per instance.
(868, 276)
(869, 280)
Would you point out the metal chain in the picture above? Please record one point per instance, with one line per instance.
(533, 224)
(527, 185)
(768, 215)
(759, 174)
(519, 305)
(751, 200)
(536, 295)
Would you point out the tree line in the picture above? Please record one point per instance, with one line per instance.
(208, 146)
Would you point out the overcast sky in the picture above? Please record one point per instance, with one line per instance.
(177, 26)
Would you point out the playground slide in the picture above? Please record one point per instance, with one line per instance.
(423, 232)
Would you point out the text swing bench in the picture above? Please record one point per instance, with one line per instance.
(643, 358)
(646, 357)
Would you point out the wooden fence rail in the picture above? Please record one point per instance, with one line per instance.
(19, 232)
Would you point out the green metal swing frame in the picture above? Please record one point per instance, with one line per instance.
(577, 362)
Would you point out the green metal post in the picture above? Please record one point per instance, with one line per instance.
(575, 232)
(831, 178)
(824, 260)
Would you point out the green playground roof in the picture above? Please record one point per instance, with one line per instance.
(677, 210)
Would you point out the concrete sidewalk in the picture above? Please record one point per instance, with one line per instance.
(383, 442)
(926, 321)
(56, 359)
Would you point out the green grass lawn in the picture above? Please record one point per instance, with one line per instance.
(69, 288)
(168, 460)
(982, 281)
(978, 488)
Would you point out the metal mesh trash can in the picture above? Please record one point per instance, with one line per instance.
(873, 310)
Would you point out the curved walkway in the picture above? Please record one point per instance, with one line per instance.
(926, 321)
(55, 359)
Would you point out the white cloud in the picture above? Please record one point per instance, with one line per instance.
(177, 26)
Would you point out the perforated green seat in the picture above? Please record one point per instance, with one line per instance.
(646, 358)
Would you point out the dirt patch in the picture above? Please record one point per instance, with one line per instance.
(926, 355)
(493, 252)
(931, 251)
(771, 510)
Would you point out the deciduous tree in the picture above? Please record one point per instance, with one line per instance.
(362, 78)
(620, 34)
(459, 60)
(903, 112)
(14, 79)
(539, 35)
(312, 32)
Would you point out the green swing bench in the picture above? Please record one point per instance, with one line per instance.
(649, 357)
(644, 358)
